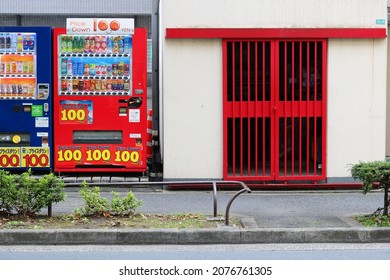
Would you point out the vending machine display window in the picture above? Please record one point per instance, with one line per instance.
(95, 65)
(17, 65)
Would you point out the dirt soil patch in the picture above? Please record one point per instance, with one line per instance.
(139, 220)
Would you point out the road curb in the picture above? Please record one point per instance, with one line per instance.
(224, 235)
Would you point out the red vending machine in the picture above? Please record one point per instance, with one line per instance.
(100, 103)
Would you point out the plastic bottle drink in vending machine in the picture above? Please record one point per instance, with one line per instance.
(81, 44)
(7, 42)
(26, 67)
(75, 44)
(92, 45)
(31, 67)
(115, 47)
(126, 44)
(19, 67)
(120, 45)
(25, 43)
(69, 44)
(109, 44)
(64, 66)
(80, 68)
(74, 68)
(14, 42)
(86, 69)
(64, 42)
(86, 45)
(19, 43)
(69, 72)
(103, 44)
(97, 44)
(2, 43)
(31, 43)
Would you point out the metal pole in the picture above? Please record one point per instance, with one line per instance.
(230, 203)
(156, 154)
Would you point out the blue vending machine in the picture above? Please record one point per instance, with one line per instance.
(25, 98)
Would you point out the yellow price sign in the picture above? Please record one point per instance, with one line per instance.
(35, 157)
(9, 157)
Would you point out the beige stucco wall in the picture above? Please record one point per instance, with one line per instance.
(191, 86)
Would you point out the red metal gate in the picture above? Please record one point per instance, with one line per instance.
(274, 109)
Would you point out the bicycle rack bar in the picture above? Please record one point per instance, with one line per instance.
(244, 187)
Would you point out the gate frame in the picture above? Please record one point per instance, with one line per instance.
(275, 174)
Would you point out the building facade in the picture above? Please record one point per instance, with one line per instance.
(272, 90)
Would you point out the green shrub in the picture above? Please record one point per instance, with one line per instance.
(8, 191)
(24, 195)
(97, 205)
(376, 172)
(126, 205)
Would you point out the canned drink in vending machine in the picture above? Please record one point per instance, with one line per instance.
(120, 68)
(109, 70)
(69, 85)
(75, 83)
(126, 70)
(97, 70)
(120, 84)
(109, 84)
(92, 69)
(81, 85)
(98, 85)
(115, 69)
(87, 85)
(126, 85)
(104, 84)
(25, 89)
(64, 84)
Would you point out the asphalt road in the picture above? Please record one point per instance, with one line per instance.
(373, 251)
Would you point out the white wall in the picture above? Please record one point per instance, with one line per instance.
(356, 103)
(192, 109)
(192, 79)
(273, 13)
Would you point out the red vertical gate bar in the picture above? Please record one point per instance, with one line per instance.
(284, 109)
(292, 108)
(233, 117)
(323, 107)
(240, 97)
(307, 111)
(300, 108)
(249, 103)
(263, 103)
(256, 113)
(315, 107)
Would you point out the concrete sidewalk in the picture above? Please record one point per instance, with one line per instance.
(267, 217)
